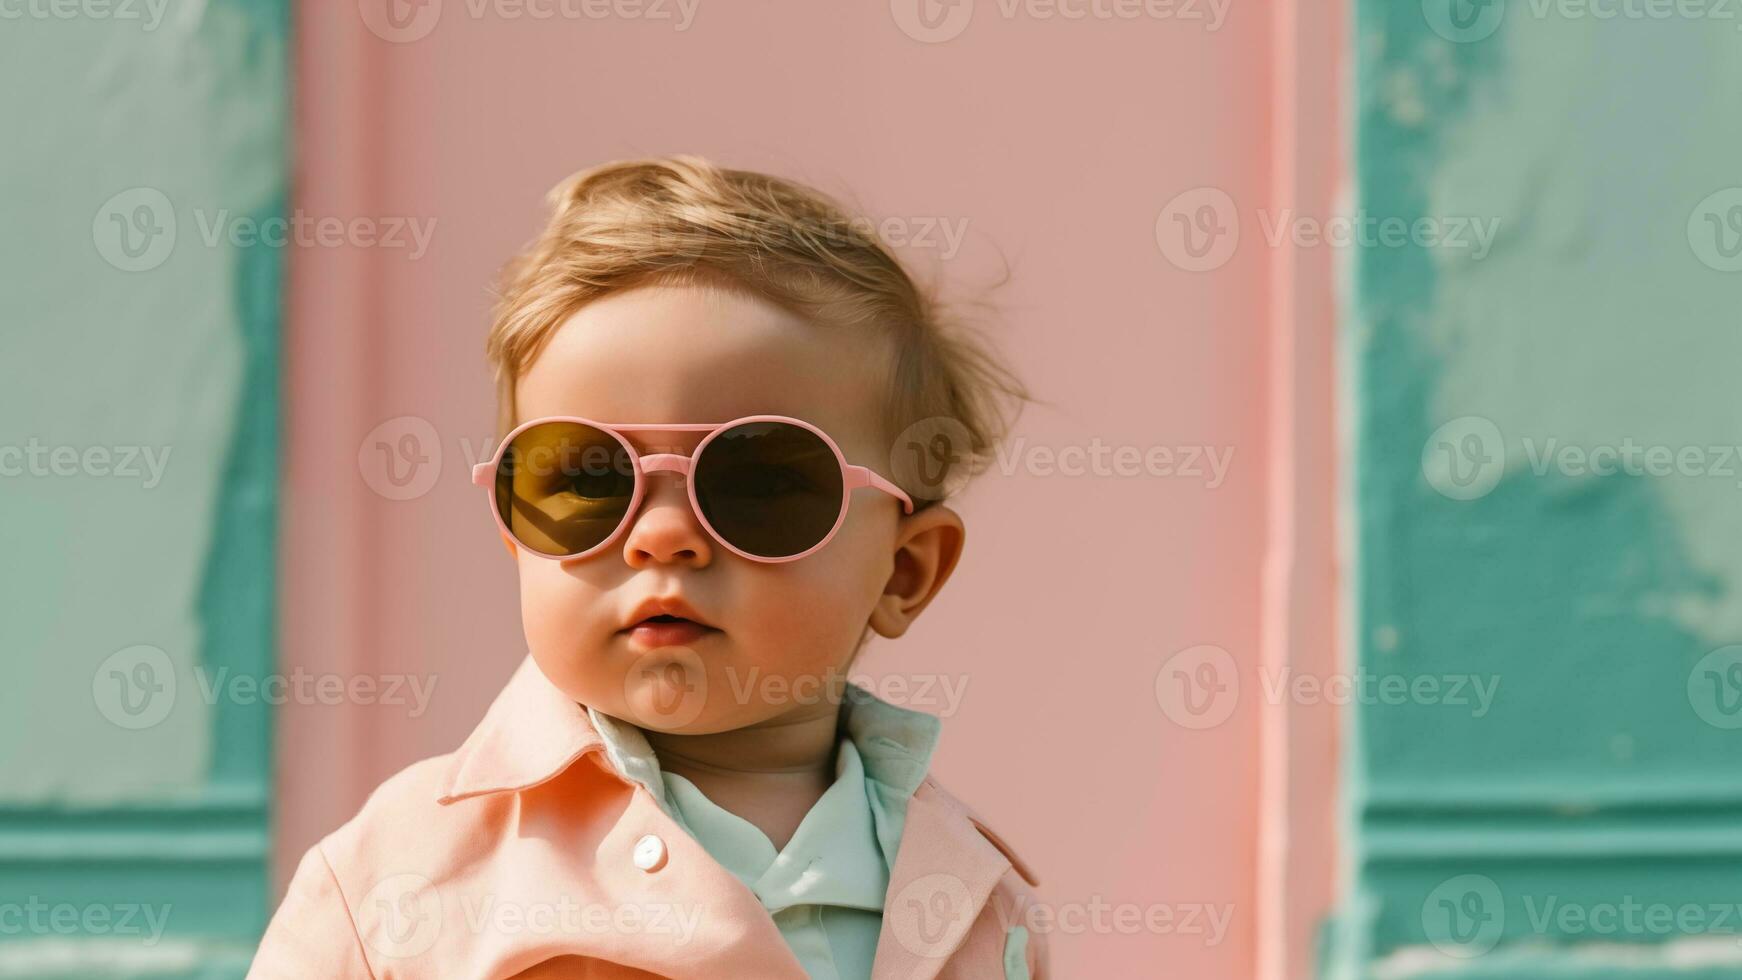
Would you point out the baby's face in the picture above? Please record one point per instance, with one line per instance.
(687, 354)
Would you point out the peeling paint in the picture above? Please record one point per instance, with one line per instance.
(119, 780)
(1594, 323)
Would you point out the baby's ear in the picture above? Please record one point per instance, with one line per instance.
(509, 542)
(928, 545)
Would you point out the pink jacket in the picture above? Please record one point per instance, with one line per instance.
(527, 854)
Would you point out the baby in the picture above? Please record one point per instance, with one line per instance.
(701, 373)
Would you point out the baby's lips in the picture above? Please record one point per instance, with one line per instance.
(671, 604)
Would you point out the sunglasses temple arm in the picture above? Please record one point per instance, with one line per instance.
(481, 473)
(859, 476)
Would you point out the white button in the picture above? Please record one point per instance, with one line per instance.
(649, 853)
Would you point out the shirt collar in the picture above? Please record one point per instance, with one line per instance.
(844, 848)
(895, 745)
(833, 857)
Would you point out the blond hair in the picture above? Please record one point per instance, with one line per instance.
(682, 219)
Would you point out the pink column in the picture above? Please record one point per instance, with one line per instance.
(1053, 143)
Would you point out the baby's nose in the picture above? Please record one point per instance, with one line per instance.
(666, 530)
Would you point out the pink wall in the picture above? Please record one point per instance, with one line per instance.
(1054, 142)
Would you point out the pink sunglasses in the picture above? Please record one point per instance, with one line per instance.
(767, 487)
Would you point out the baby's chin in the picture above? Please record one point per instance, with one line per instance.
(683, 689)
(672, 690)
(666, 689)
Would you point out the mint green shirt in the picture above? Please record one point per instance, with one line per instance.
(825, 888)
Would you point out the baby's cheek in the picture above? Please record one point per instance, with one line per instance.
(811, 622)
(553, 613)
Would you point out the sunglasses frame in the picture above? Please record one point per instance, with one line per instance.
(645, 465)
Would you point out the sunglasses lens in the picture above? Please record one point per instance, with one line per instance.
(563, 487)
(771, 489)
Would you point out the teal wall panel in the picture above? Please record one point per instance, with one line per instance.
(1603, 776)
(140, 337)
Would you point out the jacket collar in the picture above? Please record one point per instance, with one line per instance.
(531, 733)
(942, 879)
